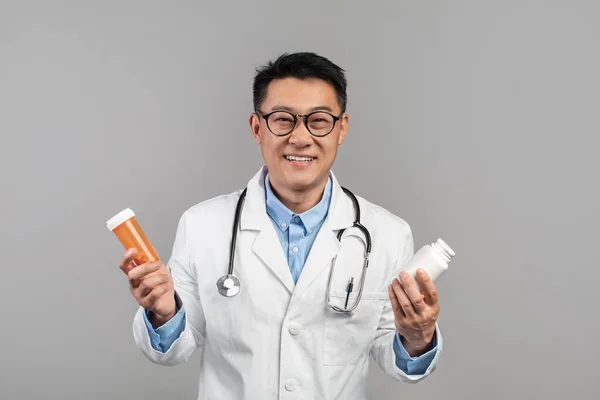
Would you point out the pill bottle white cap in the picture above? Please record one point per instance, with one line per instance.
(447, 249)
(119, 218)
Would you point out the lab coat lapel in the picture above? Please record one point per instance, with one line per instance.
(326, 245)
(268, 248)
(266, 245)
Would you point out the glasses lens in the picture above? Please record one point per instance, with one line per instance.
(281, 123)
(320, 124)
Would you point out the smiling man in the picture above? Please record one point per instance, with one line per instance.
(271, 282)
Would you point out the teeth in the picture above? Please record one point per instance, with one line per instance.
(301, 159)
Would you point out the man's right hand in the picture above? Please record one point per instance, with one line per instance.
(152, 286)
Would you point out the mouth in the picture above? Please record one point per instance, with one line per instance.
(299, 159)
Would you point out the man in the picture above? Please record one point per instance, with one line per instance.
(281, 337)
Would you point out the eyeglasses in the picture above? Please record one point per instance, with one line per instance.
(318, 123)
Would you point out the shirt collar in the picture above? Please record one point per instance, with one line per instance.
(311, 219)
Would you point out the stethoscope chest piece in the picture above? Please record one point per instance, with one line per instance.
(228, 285)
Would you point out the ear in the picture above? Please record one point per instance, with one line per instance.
(254, 122)
(343, 129)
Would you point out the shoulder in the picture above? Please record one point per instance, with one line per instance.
(214, 210)
(379, 217)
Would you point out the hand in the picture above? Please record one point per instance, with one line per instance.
(152, 286)
(415, 313)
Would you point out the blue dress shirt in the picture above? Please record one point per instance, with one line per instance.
(296, 234)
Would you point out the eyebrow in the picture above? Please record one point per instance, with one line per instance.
(290, 109)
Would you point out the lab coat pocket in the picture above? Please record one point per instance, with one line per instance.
(348, 336)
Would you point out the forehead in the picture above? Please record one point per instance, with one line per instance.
(300, 94)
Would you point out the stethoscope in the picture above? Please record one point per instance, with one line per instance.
(229, 285)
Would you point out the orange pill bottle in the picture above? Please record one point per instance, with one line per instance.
(128, 231)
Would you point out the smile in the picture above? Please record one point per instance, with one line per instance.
(299, 159)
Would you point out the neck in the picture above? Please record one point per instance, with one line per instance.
(299, 201)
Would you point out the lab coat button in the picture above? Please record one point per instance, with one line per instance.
(291, 385)
(295, 329)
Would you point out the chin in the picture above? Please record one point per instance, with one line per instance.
(297, 179)
(299, 182)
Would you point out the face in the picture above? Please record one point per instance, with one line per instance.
(281, 153)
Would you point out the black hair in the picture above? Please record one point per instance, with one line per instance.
(302, 65)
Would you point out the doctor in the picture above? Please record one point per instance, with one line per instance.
(279, 337)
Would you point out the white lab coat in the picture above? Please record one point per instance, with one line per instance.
(274, 339)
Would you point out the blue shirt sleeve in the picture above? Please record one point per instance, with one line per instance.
(413, 365)
(163, 337)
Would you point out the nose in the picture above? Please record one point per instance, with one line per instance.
(300, 136)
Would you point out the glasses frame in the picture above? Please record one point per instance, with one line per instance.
(296, 116)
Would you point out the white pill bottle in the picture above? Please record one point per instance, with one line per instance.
(433, 258)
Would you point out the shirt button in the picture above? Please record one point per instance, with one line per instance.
(295, 329)
(295, 249)
(283, 224)
(291, 385)
(296, 219)
(309, 230)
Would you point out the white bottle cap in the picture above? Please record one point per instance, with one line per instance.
(119, 218)
(446, 248)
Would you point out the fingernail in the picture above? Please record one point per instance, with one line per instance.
(404, 274)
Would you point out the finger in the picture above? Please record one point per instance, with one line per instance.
(427, 286)
(151, 298)
(395, 303)
(149, 283)
(403, 299)
(145, 269)
(416, 298)
(126, 263)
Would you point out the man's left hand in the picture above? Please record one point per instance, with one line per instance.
(415, 313)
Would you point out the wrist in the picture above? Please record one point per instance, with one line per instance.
(158, 320)
(417, 347)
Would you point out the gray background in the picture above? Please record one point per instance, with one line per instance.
(475, 121)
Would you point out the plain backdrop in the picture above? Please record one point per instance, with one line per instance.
(475, 121)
